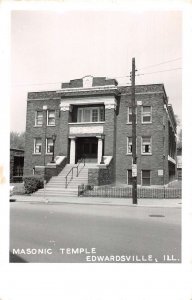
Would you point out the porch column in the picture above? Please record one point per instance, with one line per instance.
(72, 150)
(100, 149)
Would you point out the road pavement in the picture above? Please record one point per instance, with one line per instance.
(68, 233)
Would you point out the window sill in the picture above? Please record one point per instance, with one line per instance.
(146, 122)
(130, 123)
(38, 126)
(51, 125)
(36, 153)
(82, 123)
(147, 154)
(48, 153)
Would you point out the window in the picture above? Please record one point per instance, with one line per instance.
(49, 146)
(129, 115)
(102, 114)
(90, 114)
(146, 114)
(37, 145)
(129, 145)
(129, 177)
(51, 117)
(146, 177)
(146, 145)
(95, 115)
(39, 118)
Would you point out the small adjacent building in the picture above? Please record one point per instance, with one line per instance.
(92, 118)
(179, 163)
(16, 165)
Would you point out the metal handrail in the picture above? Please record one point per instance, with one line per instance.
(77, 167)
(66, 183)
(71, 171)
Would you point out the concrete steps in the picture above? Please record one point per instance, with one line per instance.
(56, 185)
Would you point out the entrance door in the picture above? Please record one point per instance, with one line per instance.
(87, 147)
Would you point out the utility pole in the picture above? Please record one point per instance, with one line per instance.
(134, 154)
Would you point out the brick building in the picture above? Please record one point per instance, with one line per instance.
(91, 118)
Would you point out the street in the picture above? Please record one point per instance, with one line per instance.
(81, 233)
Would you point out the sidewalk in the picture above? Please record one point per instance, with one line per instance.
(99, 201)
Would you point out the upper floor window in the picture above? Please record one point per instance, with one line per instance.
(146, 116)
(49, 146)
(90, 114)
(146, 145)
(38, 118)
(129, 115)
(37, 145)
(51, 117)
(129, 145)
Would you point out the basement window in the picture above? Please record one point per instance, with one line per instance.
(146, 177)
(129, 177)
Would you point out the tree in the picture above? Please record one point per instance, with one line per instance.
(17, 140)
(179, 140)
(178, 120)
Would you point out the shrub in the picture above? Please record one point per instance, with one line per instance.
(89, 187)
(33, 183)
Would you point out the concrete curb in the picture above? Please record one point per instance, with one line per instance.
(160, 203)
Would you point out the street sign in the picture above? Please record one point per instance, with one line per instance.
(134, 170)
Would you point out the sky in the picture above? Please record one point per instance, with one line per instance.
(49, 47)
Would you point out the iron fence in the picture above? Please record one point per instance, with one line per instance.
(126, 192)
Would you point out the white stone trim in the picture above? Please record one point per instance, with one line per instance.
(141, 93)
(111, 104)
(88, 129)
(88, 101)
(100, 150)
(88, 81)
(44, 99)
(65, 106)
(86, 123)
(95, 88)
(72, 150)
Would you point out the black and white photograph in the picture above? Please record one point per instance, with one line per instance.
(96, 137)
(95, 143)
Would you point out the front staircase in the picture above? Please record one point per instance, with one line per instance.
(57, 184)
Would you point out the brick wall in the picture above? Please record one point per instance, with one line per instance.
(101, 176)
(152, 162)
(63, 133)
(31, 160)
